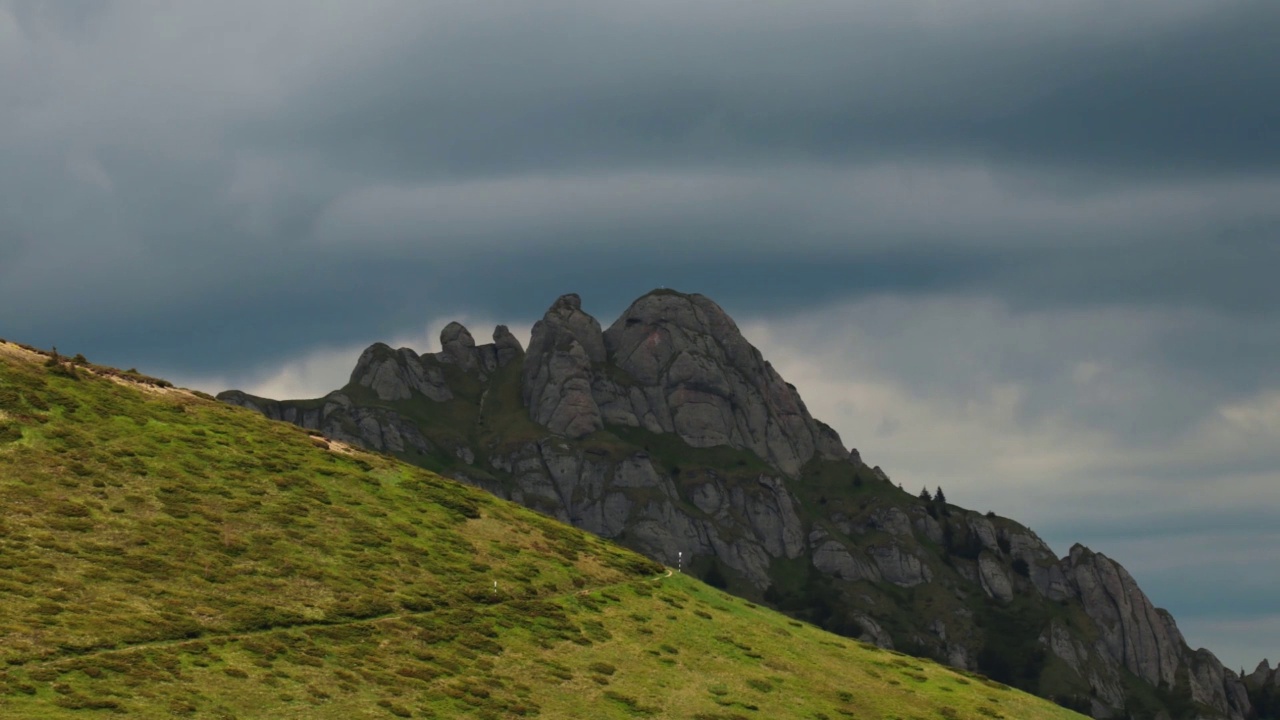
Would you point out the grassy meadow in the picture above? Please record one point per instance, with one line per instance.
(165, 555)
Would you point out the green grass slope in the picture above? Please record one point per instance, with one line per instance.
(163, 554)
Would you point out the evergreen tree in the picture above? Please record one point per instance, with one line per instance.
(925, 496)
(939, 497)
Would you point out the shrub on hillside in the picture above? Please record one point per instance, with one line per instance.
(10, 431)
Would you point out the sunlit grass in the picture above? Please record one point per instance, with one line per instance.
(165, 555)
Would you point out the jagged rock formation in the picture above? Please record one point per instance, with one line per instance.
(390, 376)
(1263, 687)
(680, 365)
(564, 347)
(1142, 638)
(395, 374)
(670, 433)
(687, 369)
(338, 418)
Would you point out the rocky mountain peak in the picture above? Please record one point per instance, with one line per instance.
(506, 345)
(672, 363)
(658, 327)
(458, 347)
(565, 321)
(397, 374)
(564, 347)
(567, 302)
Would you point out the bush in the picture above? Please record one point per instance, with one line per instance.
(10, 432)
(66, 371)
(630, 703)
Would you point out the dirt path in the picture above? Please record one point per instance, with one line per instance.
(72, 656)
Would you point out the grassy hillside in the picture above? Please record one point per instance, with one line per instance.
(163, 554)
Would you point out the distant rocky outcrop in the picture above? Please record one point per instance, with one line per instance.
(1143, 639)
(391, 376)
(687, 369)
(673, 363)
(671, 434)
(1263, 687)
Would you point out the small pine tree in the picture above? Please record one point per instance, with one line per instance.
(939, 497)
(925, 496)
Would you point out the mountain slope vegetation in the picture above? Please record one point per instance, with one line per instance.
(163, 554)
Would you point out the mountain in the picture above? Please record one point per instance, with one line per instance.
(166, 555)
(670, 433)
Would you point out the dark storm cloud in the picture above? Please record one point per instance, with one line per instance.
(209, 186)
(1177, 89)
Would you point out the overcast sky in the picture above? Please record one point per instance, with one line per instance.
(1025, 251)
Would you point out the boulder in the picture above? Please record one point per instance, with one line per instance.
(994, 580)
(899, 566)
(458, 347)
(832, 558)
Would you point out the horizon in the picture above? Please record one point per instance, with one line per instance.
(1024, 253)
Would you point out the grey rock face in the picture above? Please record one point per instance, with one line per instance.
(986, 533)
(1216, 686)
(558, 389)
(928, 527)
(688, 370)
(685, 369)
(893, 521)
(1142, 638)
(458, 347)
(630, 499)
(994, 580)
(770, 511)
(833, 558)
(395, 374)
(900, 567)
(1065, 646)
(506, 346)
(1134, 633)
(873, 633)
(337, 418)
(563, 349)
